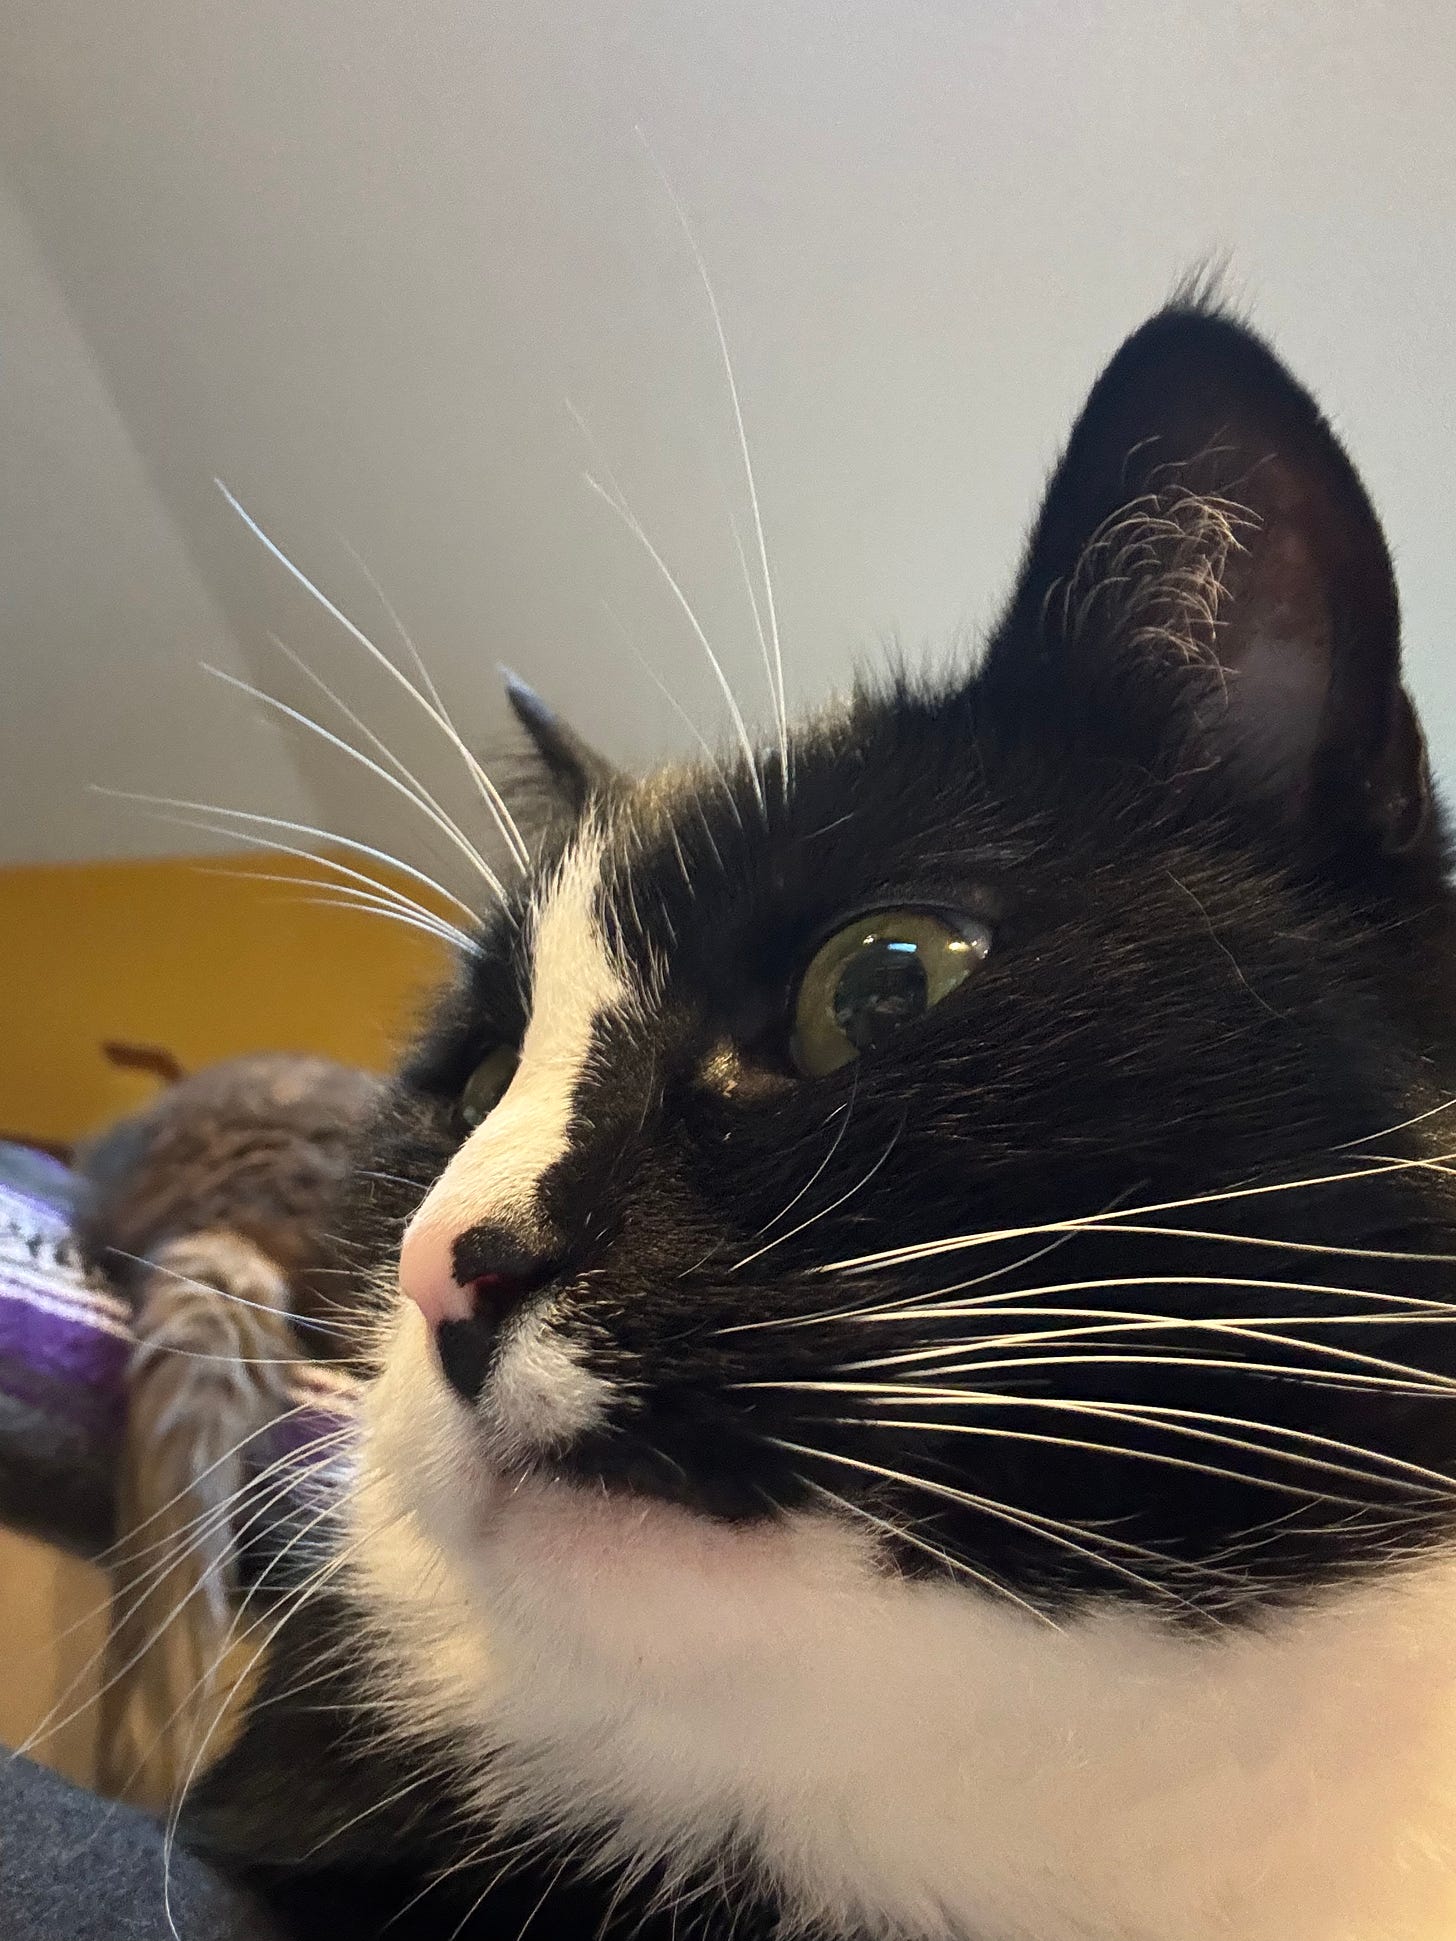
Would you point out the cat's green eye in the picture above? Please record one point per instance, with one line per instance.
(877, 974)
(486, 1085)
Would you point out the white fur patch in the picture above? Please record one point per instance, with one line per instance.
(540, 1396)
(913, 1756)
(496, 1174)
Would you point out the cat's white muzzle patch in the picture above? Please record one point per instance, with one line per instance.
(539, 1397)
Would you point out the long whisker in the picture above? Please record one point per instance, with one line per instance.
(255, 819)
(1175, 1420)
(824, 1211)
(1401, 1125)
(1415, 1477)
(274, 1422)
(710, 754)
(294, 1468)
(629, 519)
(360, 906)
(819, 1171)
(410, 780)
(1051, 1530)
(199, 1527)
(912, 1305)
(195, 1692)
(175, 1543)
(942, 1557)
(776, 670)
(1158, 1457)
(611, 494)
(1398, 1384)
(1403, 1308)
(494, 801)
(937, 1302)
(366, 902)
(225, 1294)
(372, 885)
(315, 1583)
(1256, 1328)
(1276, 1245)
(922, 1250)
(448, 828)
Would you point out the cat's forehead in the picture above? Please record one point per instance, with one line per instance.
(883, 797)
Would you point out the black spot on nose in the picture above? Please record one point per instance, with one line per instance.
(501, 1270)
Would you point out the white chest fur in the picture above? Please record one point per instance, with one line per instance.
(914, 1757)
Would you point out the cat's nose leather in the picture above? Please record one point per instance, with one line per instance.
(427, 1271)
(467, 1286)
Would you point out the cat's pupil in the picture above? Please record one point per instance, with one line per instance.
(883, 986)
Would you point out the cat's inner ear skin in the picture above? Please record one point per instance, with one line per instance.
(578, 773)
(1207, 590)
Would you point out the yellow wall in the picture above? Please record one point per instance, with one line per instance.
(172, 953)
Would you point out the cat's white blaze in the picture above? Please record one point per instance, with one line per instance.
(912, 1756)
(496, 1173)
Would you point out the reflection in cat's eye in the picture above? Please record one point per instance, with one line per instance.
(486, 1085)
(875, 975)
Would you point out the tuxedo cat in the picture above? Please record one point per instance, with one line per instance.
(915, 1388)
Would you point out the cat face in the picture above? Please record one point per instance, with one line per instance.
(967, 1181)
(798, 1134)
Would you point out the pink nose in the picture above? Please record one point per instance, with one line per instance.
(427, 1270)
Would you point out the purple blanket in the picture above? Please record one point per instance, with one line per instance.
(64, 1343)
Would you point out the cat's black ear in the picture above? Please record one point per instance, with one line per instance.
(1207, 582)
(578, 772)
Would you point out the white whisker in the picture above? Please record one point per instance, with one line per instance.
(342, 896)
(1416, 1477)
(494, 801)
(611, 494)
(823, 1166)
(448, 828)
(360, 905)
(492, 796)
(942, 1557)
(1051, 1530)
(776, 670)
(825, 1211)
(1401, 1125)
(410, 780)
(709, 752)
(223, 1294)
(256, 819)
(923, 1250)
(1405, 1383)
(1159, 1458)
(629, 519)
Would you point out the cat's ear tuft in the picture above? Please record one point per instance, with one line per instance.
(1207, 584)
(578, 773)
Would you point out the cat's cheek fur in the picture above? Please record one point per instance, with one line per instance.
(910, 1756)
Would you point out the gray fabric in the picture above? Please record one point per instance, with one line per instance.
(76, 1868)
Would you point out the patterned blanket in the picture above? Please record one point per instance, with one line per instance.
(64, 1344)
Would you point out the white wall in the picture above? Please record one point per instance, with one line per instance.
(352, 256)
(102, 615)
